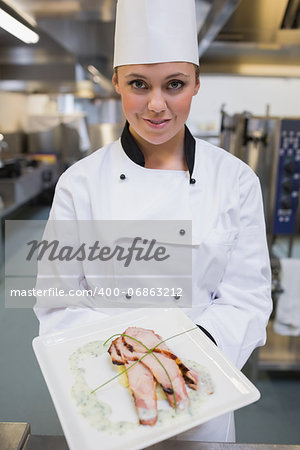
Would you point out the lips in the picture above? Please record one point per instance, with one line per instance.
(155, 123)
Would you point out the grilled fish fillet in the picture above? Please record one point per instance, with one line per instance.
(151, 362)
(142, 386)
(143, 375)
(150, 339)
(140, 380)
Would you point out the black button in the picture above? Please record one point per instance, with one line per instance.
(182, 232)
(192, 181)
(122, 176)
(286, 203)
(128, 296)
(177, 297)
(287, 185)
(290, 167)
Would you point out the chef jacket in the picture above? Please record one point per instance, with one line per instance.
(221, 195)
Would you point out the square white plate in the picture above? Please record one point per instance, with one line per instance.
(82, 424)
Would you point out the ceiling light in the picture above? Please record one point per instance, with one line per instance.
(17, 29)
(13, 4)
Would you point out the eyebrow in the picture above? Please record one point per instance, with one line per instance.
(173, 75)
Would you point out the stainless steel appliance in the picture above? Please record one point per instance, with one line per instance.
(271, 147)
(101, 134)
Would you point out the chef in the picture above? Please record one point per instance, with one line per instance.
(158, 171)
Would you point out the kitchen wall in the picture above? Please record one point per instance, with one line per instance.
(13, 110)
(239, 94)
(39, 104)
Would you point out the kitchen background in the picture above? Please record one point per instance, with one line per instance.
(57, 105)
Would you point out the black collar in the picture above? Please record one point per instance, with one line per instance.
(133, 152)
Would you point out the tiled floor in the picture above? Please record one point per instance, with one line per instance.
(24, 396)
(23, 393)
(275, 418)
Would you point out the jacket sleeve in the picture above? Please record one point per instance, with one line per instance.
(239, 311)
(57, 313)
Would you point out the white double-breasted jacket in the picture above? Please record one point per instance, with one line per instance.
(222, 197)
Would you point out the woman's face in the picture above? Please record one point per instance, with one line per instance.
(156, 98)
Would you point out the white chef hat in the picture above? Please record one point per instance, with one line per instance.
(155, 31)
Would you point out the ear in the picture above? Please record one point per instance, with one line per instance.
(197, 86)
(115, 83)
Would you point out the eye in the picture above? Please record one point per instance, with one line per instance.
(138, 84)
(175, 85)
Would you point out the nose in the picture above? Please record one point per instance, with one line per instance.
(157, 102)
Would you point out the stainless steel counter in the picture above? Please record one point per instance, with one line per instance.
(13, 435)
(59, 443)
(16, 436)
(17, 191)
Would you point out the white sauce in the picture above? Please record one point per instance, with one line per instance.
(146, 414)
(98, 412)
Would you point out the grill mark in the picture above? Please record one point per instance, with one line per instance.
(114, 360)
(129, 346)
(117, 363)
(118, 351)
(189, 382)
(182, 367)
(167, 390)
(170, 355)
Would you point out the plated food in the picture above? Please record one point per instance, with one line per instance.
(149, 361)
(76, 362)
